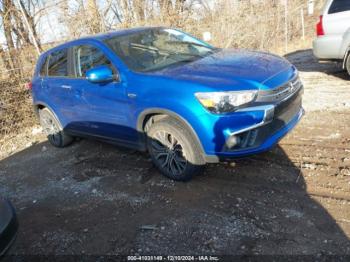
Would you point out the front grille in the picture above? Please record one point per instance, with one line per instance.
(281, 92)
(284, 113)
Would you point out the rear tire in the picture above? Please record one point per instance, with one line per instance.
(173, 150)
(347, 64)
(53, 129)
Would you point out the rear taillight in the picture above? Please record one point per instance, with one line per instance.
(319, 27)
(28, 85)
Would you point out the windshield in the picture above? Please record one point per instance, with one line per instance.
(155, 49)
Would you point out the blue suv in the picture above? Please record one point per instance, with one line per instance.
(163, 91)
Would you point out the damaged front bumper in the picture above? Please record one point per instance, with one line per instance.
(275, 121)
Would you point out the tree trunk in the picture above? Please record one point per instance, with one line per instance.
(6, 18)
(94, 17)
(31, 23)
(5, 60)
(139, 7)
(164, 6)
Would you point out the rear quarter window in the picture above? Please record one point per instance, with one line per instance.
(338, 6)
(58, 63)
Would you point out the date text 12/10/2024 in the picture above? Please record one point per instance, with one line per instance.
(173, 258)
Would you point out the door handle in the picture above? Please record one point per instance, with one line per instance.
(131, 95)
(66, 87)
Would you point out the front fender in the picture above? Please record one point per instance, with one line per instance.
(184, 116)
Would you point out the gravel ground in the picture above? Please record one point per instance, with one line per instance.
(94, 198)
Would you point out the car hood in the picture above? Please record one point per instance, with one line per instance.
(231, 69)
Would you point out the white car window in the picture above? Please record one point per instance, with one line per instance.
(339, 6)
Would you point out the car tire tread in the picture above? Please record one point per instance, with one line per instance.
(194, 155)
(62, 139)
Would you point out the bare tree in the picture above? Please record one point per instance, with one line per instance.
(6, 15)
(29, 10)
(94, 21)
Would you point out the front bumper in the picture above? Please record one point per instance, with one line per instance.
(276, 122)
(8, 226)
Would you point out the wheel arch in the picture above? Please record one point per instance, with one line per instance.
(38, 107)
(41, 105)
(346, 57)
(148, 114)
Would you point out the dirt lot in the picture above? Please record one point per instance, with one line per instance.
(94, 198)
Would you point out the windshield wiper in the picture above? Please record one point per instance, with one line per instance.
(155, 49)
(186, 54)
(190, 43)
(157, 67)
(145, 47)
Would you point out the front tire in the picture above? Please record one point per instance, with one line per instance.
(173, 150)
(53, 129)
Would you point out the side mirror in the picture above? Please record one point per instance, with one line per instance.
(100, 74)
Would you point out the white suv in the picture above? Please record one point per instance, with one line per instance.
(333, 33)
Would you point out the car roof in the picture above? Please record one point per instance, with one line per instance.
(100, 37)
(121, 32)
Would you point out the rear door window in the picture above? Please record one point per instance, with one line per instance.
(43, 69)
(58, 63)
(87, 57)
(339, 6)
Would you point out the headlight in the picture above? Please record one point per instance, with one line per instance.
(224, 102)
